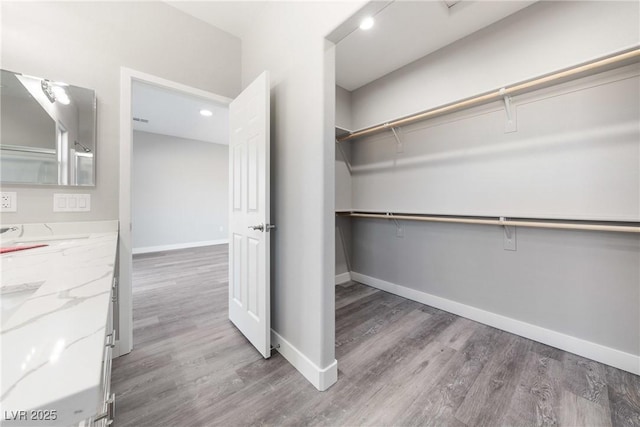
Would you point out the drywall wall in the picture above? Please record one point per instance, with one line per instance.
(180, 192)
(539, 39)
(574, 156)
(582, 284)
(85, 44)
(343, 108)
(289, 42)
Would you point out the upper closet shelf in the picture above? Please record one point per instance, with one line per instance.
(616, 60)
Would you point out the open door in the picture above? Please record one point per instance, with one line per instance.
(249, 227)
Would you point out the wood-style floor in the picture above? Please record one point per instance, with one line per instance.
(400, 363)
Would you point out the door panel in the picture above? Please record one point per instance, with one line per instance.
(249, 287)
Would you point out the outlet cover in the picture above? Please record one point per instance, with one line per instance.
(8, 201)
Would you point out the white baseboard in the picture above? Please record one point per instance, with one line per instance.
(322, 379)
(343, 277)
(607, 355)
(161, 248)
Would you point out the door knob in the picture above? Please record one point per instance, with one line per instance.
(257, 227)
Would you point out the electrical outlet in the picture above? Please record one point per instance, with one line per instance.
(8, 201)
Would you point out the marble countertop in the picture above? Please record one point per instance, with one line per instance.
(55, 303)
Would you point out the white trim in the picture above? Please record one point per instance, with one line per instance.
(127, 76)
(610, 356)
(162, 248)
(343, 277)
(321, 378)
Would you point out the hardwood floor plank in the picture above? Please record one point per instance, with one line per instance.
(585, 378)
(624, 397)
(436, 406)
(536, 401)
(578, 411)
(400, 363)
(485, 401)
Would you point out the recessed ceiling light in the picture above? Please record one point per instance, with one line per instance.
(366, 23)
(206, 113)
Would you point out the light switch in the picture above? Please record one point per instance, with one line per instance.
(71, 202)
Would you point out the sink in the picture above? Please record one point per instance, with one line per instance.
(12, 297)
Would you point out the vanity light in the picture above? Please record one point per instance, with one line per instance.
(367, 23)
(206, 113)
(61, 95)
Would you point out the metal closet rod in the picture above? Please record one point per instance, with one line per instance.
(536, 83)
(564, 225)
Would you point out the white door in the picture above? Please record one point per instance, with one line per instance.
(249, 227)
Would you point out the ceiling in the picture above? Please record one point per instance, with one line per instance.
(234, 17)
(405, 31)
(176, 114)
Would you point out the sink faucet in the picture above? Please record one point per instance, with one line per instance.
(5, 229)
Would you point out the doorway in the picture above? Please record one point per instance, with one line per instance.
(147, 241)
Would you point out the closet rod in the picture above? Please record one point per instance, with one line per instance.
(502, 222)
(536, 83)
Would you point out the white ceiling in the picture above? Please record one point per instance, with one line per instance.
(405, 31)
(176, 114)
(234, 17)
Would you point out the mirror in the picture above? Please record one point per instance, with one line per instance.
(47, 132)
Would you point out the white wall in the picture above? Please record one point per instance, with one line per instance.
(539, 39)
(343, 109)
(180, 192)
(574, 155)
(85, 44)
(288, 40)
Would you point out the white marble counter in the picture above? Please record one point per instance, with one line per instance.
(55, 302)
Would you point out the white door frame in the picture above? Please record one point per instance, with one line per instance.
(124, 344)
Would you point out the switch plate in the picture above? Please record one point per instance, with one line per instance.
(8, 201)
(71, 202)
(509, 243)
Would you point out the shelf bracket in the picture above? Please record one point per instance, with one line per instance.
(344, 156)
(399, 230)
(399, 144)
(511, 123)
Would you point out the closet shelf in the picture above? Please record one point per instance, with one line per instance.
(619, 227)
(605, 63)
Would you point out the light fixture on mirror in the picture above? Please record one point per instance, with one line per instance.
(367, 23)
(55, 92)
(84, 147)
(206, 113)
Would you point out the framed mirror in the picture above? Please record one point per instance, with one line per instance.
(47, 132)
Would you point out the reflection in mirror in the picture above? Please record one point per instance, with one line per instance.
(47, 132)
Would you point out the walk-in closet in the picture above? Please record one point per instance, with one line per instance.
(496, 174)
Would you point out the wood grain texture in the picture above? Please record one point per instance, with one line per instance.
(400, 363)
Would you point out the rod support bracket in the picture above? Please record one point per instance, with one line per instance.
(511, 124)
(399, 144)
(507, 230)
(344, 155)
(399, 230)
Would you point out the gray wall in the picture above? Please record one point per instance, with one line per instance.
(180, 191)
(85, 44)
(289, 41)
(583, 284)
(343, 109)
(575, 155)
(541, 38)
